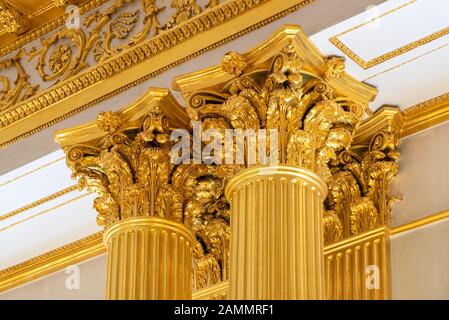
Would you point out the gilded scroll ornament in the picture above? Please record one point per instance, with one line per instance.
(106, 34)
(19, 89)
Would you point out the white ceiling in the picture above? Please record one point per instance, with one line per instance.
(410, 77)
(49, 225)
(406, 79)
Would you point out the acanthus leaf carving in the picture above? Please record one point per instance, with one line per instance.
(313, 123)
(131, 171)
(360, 184)
(315, 126)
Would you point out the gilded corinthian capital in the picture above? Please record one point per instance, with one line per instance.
(125, 158)
(324, 131)
(312, 116)
(359, 197)
(321, 116)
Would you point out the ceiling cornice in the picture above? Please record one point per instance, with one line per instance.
(426, 114)
(52, 261)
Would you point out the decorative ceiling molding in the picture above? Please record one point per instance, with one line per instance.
(137, 64)
(391, 54)
(30, 172)
(43, 211)
(426, 114)
(420, 222)
(52, 261)
(432, 51)
(37, 203)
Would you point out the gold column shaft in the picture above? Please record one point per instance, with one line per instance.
(346, 264)
(149, 258)
(276, 234)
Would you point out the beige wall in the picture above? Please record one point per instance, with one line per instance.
(420, 257)
(423, 179)
(420, 262)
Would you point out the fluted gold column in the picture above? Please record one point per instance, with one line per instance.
(149, 258)
(276, 234)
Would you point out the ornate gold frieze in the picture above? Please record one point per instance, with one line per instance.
(119, 27)
(45, 16)
(11, 20)
(104, 34)
(145, 59)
